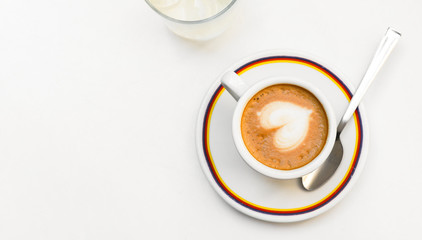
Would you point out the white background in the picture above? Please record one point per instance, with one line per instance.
(98, 106)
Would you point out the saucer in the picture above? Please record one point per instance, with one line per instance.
(252, 193)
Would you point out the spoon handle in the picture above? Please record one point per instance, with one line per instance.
(384, 49)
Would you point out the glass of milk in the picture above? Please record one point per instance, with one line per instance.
(195, 19)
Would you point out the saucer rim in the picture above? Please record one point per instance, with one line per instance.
(263, 216)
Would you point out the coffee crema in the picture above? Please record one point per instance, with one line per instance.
(284, 126)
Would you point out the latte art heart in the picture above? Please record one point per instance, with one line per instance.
(290, 120)
(284, 126)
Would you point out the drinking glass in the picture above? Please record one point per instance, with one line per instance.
(196, 19)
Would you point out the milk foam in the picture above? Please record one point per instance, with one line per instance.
(290, 120)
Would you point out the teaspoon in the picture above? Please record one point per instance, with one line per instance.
(318, 177)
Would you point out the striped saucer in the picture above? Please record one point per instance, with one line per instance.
(257, 195)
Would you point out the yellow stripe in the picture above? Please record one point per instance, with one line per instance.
(277, 209)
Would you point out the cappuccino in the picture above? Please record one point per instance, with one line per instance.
(284, 126)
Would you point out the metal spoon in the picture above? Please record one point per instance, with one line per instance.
(318, 177)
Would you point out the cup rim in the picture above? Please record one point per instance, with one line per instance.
(191, 21)
(264, 169)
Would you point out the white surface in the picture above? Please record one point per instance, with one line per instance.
(87, 90)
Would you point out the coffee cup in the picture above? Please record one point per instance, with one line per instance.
(282, 127)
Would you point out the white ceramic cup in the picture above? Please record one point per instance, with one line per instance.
(243, 92)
